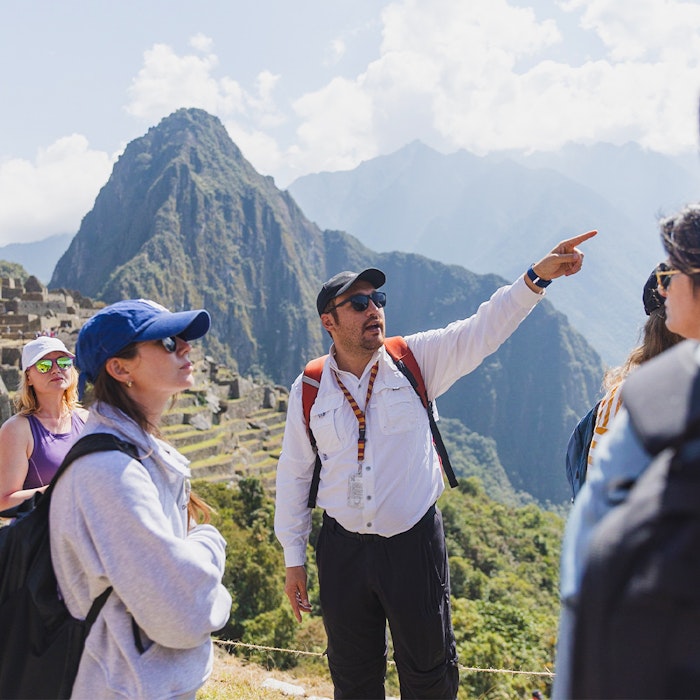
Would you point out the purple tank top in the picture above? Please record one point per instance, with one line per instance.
(49, 450)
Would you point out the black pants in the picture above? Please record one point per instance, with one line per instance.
(366, 580)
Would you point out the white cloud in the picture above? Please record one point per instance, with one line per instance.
(643, 29)
(480, 75)
(168, 81)
(338, 49)
(336, 127)
(477, 75)
(202, 43)
(464, 33)
(266, 155)
(52, 194)
(436, 57)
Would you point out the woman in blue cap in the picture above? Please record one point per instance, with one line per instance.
(133, 524)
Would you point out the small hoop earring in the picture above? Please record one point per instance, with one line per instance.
(129, 384)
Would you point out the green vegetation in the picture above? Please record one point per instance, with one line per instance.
(13, 271)
(504, 566)
(504, 563)
(472, 454)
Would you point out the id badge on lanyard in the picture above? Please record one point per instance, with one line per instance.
(356, 491)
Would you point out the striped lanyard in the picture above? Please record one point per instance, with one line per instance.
(359, 413)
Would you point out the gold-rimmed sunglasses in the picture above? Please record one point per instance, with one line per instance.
(664, 273)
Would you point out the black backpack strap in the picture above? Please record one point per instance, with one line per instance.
(577, 450)
(316, 478)
(95, 608)
(437, 438)
(94, 442)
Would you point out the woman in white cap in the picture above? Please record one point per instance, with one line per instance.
(47, 421)
(133, 524)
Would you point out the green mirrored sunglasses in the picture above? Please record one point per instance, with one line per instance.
(44, 365)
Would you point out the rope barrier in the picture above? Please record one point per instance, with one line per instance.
(468, 669)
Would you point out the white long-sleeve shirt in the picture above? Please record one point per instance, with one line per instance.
(401, 475)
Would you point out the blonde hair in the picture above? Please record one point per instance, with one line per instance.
(26, 402)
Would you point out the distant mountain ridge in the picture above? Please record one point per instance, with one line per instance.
(186, 220)
(494, 213)
(39, 257)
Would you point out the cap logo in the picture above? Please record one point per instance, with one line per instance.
(153, 304)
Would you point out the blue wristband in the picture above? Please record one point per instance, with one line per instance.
(537, 281)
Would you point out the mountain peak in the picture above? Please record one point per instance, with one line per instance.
(186, 220)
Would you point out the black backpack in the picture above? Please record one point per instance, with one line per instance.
(577, 450)
(637, 631)
(40, 642)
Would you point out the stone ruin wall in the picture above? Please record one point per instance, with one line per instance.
(30, 310)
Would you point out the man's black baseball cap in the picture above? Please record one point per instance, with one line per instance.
(340, 283)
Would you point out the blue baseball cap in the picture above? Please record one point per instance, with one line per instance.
(133, 320)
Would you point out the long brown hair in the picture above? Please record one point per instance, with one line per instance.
(655, 339)
(110, 391)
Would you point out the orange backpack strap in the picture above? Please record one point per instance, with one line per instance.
(405, 362)
(398, 348)
(310, 382)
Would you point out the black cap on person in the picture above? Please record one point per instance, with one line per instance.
(340, 283)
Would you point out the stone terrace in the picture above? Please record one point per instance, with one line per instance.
(228, 426)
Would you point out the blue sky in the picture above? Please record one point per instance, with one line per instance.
(325, 84)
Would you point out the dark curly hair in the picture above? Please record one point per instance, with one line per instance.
(680, 235)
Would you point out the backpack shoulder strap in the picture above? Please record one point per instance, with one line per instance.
(94, 442)
(310, 382)
(404, 359)
(406, 363)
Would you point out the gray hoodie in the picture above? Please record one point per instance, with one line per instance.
(120, 522)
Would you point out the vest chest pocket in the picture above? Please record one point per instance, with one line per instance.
(398, 409)
(327, 424)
